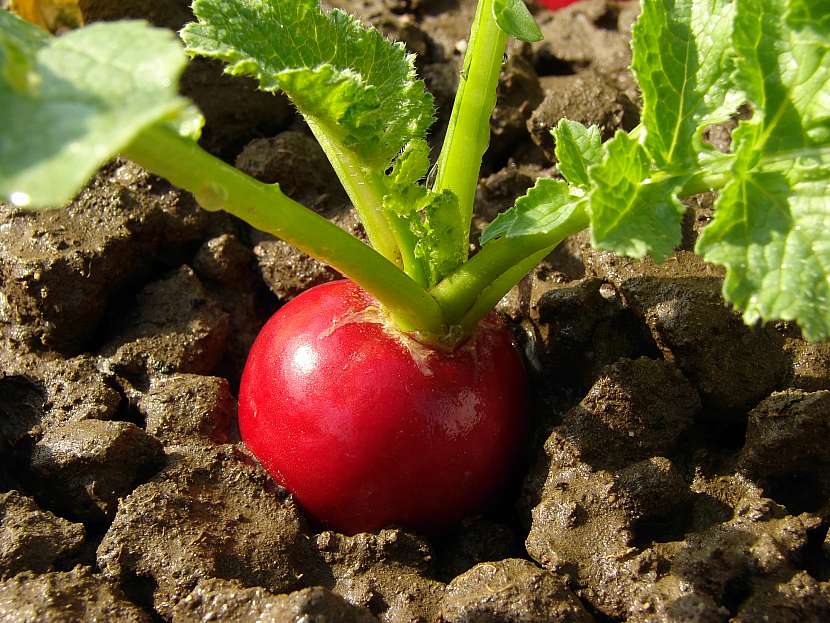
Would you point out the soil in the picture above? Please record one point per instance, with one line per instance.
(678, 469)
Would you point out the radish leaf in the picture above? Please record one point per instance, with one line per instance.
(772, 225)
(515, 19)
(542, 209)
(630, 213)
(360, 88)
(357, 91)
(70, 103)
(683, 65)
(577, 148)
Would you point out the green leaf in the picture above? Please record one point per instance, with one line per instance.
(631, 213)
(411, 166)
(18, 48)
(772, 225)
(683, 64)
(436, 230)
(435, 221)
(542, 209)
(772, 232)
(513, 18)
(577, 148)
(432, 218)
(70, 103)
(786, 78)
(359, 88)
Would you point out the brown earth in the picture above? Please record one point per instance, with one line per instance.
(678, 469)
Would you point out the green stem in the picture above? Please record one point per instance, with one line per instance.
(412, 266)
(218, 186)
(364, 190)
(468, 134)
(491, 270)
(492, 294)
(470, 292)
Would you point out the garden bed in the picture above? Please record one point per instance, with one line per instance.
(677, 469)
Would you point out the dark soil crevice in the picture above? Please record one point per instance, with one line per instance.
(139, 590)
(553, 66)
(610, 19)
(736, 592)
(797, 491)
(817, 554)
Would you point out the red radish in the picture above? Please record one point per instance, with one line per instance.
(555, 5)
(367, 427)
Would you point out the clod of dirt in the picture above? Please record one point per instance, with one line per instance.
(746, 565)
(387, 572)
(700, 210)
(510, 591)
(6, 482)
(448, 25)
(788, 431)
(211, 513)
(235, 109)
(441, 80)
(586, 97)
(583, 326)
(593, 34)
(476, 540)
(519, 94)
(221, 600)
(587, 524)
(21, 410)
(175, 326)
(172, 14)
(32, 539)
(288, 271)
(85, 467)
(59, 268)
(635, 410)
(786, 448)
(68, 597)
(37, 394)
(228, 270)
(810, 364)
(631, 558)
(298, 164)
(800, 600)
(225, 261)
(680, 301)
(182, 406)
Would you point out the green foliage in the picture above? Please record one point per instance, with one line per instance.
(357, 85)
(577, 148)
(683, 65)
(431, 217)
(70, 103)
(697, 62)
(772, 225)
(542, 209)
(513, 18)
(360, 95)
(631, 213)
(19, 45)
